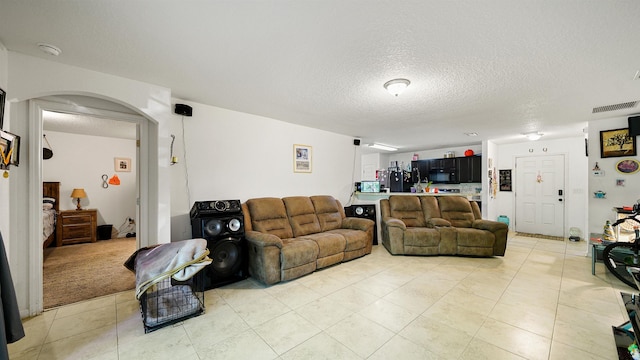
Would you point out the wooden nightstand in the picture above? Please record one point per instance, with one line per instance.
(76, 226)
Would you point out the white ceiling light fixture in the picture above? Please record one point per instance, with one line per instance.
(533, 136)
(396, 86)
(382, 147)
(49, 49)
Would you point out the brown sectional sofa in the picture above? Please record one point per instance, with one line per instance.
(294, 236)
(439, 225)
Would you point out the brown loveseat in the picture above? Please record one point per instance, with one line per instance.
(294, 236)
(439, 225)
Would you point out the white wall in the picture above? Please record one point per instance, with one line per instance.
(576, 180)
(79, 161)
(601, 210)
(234, 155)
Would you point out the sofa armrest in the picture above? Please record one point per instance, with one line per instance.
(489, 225)
(433, 222)
(394, 223)
(262, 239)
(357, 223)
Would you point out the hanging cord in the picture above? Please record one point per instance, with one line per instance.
(186, 172)
(173, 159)
(47, 141)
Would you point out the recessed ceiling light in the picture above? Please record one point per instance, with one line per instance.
(471, 134)
(396, 86)
(49, 49)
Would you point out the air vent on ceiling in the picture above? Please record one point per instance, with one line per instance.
(614, 107)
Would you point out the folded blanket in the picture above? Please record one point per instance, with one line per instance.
(180, 260)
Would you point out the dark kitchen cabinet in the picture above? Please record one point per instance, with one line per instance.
(470, 169)
(421, 167)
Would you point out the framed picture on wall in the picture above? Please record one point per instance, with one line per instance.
(301, 158)
(123, 164)
(505, 180)
(616, 143)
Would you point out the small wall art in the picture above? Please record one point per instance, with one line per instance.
(616, 143)
(123, 164)
(628, 166)
(505, 180)
(302, 158)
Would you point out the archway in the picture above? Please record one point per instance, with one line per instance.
(147, 180)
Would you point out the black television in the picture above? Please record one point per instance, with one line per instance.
(634, 125)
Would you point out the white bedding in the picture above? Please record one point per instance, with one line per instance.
(48, 223)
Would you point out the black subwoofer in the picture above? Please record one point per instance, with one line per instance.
(367, 212)
(224, 232)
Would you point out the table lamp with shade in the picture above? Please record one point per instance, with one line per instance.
(78, 194)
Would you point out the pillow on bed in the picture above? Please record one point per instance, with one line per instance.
(48, 200)
(47, 206)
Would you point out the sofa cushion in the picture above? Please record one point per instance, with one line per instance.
(457, 210)
(268, 215)
(355, 239)
(475, 238)
(302, 215)
(421, 236)
(328, 243)
(430, 207)
(407, 209)
(297, 252)
(329, 211)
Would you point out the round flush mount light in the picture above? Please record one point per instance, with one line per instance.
(533, 136)
(396, 86)
(49, 49)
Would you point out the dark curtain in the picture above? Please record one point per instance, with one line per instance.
(11, 328)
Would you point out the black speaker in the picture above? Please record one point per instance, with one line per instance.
(356, 142)
(183, 109)
(634, 125)
(227, 247)
(367, 212)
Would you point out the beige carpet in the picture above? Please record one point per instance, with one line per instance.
(560, 238)
(79, 272)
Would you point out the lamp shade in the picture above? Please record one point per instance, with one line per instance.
(78, 193)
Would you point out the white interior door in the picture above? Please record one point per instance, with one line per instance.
(540, 195)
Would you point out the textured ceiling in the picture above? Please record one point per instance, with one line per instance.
(497, 68)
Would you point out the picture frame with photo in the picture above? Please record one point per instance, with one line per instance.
(122, 164)
(302, 158)
(617, 143)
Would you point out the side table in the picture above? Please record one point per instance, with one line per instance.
(76, 226)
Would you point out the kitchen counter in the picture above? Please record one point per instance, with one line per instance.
(368, 197)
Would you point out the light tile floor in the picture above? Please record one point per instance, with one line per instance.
(539, 301)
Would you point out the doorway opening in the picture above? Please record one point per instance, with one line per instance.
(106, 111)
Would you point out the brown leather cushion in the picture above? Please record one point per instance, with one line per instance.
(408, 209)
(457, 210)
(302, 215)
(268, 215)
(329, 211)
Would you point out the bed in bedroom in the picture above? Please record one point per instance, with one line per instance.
(50, 208)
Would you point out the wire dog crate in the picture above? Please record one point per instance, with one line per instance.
(171, 301)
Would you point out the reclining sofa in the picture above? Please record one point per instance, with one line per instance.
(293, 236)
(439, 225)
